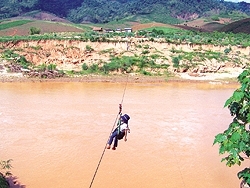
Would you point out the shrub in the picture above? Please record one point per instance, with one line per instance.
(93, 68)
(23, 62)
(89, 48)
(42, 67)
(145, 52)
(227, 50)
(34, 30)
(146, 73)
(84, 66)
(51, 67)
(176, 62)
(234, 142)
(7, 54)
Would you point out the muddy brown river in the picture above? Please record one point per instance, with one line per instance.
(56, 134)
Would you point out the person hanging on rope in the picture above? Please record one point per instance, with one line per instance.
(120, 132)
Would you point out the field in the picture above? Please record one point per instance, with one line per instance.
(58, 27)
(44, 26)
(48, 23)
(138, 26)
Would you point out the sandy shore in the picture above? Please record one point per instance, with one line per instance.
(228, 76)
(225, 78)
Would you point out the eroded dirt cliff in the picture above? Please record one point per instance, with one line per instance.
(72, 54)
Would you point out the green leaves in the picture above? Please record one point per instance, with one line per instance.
(4, 166)
(220, 138)
(235, 141)
(238, 96)
(245, 175)
(239, 102)
(235, 137)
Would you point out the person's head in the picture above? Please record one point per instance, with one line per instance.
(125, 118)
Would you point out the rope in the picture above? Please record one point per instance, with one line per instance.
(118, 115)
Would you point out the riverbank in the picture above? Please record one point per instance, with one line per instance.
(223, 78)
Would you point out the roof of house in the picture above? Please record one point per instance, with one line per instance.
(97, 28)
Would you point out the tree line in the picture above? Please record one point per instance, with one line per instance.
(102, 11)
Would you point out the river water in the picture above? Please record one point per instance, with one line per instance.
(56, 134)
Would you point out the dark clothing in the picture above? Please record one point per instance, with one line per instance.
(112, 137)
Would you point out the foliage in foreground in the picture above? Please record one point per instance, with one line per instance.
(5, 166)
(234, 142)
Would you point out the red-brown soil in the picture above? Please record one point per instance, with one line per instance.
(139, 26)
(44, 26)
(202, 25)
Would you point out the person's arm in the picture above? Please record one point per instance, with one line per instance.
(125, 136)
(128, 129)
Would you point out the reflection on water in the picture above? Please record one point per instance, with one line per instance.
(56, 132)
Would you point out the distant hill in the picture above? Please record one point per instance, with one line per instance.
(103, 11)
(50, 23)
(38, 15)
(241, 26)
(204, 25)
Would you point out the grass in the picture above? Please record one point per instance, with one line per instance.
(32, 13)
(234, 15)
(14, 24)
(113, 25)
(164, 29)
(85, 27)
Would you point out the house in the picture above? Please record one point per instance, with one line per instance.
(118, 30)
(128, 30)
(97, 29)
(109, 30)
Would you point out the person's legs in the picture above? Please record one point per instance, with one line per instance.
(115, 143)
(113, 135)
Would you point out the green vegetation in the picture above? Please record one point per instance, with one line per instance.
(140, 64)
(215, 18)
(234, 15)
(89, 48)
(162, 30)
(85, 27)
(107, 51)
(199, 56)
(102, 11)
(34, 31)
(125, 64)
(5, 166)
(13, 24)
(176, 61)
(234, 142)
(9, 54)
(145, 63)
(19, 62)
(178, 36)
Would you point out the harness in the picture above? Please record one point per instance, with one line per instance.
(120, 134)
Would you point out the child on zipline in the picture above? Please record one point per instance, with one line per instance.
(121, 131)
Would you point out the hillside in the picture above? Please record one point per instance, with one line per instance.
(102, 11)
(46, 23)
(241, 26)
(50, 23)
